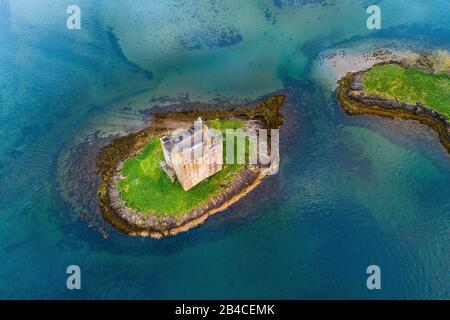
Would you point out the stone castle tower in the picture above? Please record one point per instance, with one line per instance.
(192, 155)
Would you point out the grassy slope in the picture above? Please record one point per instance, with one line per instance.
(148, 189)
(226, 124)
(409, 85)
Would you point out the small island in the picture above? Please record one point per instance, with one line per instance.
(418, 89)
(147, 190)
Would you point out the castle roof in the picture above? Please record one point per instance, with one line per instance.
(191, 138)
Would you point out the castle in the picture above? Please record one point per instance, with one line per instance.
(192, 155)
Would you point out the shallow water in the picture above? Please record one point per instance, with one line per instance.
(351, 192)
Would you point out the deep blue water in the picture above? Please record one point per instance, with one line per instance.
(351, 192)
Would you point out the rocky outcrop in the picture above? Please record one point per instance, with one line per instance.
(354, 101)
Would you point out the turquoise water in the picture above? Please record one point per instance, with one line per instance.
(351, 192)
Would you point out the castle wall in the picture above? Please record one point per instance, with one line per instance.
(199, 145)
(192, 173)
(167, 156)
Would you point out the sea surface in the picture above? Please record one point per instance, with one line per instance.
(351, 191)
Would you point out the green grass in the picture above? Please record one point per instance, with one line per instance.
(409, 85)
(148, 189)
(223, 124)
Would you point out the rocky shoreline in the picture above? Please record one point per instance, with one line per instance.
(112, 157)
(333, 65)
(354, 101)
(168, 225)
